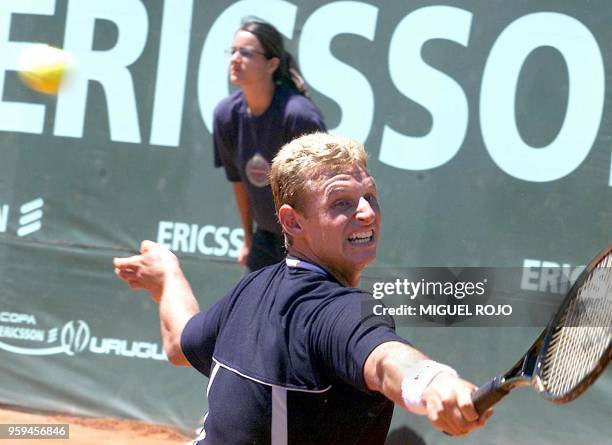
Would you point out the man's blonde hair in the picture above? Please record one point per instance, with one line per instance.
(310, 158)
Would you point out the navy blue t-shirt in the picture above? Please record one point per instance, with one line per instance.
(245, 145)
(284, 352)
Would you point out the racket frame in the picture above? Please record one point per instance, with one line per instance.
(588, 379)
(528, 370)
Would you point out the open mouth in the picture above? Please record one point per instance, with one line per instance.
(361, 237)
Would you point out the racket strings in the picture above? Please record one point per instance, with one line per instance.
(583, 335)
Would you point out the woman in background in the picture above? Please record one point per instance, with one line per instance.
(270, 109)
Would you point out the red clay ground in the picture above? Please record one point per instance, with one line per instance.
(86, 431)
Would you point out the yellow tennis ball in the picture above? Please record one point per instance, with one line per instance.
(44, 68)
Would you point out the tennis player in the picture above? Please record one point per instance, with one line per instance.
(292, 352)
(270, 109)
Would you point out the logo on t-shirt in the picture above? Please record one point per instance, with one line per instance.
(257, 170)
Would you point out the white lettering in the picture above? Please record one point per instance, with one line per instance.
(142, 349)
(566, 273)
(338, 80)
(377, 290)
(116, 346)
(113, 345)
(180, 241)
(12, 317)
(158, 355)
(164, 233)
(550, 275)
(4, 214)
(437, 92)
(416, 288)
(445, 310)
(208, 229)
(129, 352)
(491, 309)
(109, 68)
(530, 274)
(236, 240)
(171, 73)
(585, 101)
(18, 333)
(93, 347)
(220, 239)
(17, 116)
(191, 238)
(401, 310)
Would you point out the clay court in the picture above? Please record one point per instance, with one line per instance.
(93, 431)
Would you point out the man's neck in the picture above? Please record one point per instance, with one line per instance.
(258, 97)
(346, 279)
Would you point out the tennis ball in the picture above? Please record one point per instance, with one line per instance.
(44, 68)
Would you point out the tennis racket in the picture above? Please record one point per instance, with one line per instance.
(572, 351)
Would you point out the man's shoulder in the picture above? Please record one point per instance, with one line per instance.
(297, 286)
(228, 105)
(259, 280)
(348, 298)
(317, 289)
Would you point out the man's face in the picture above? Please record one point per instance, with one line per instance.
(341, 222)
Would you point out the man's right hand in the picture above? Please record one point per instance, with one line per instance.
(149, 270)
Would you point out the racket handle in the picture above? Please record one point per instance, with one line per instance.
(489, 394)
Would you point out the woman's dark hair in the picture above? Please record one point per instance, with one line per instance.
(271, 41)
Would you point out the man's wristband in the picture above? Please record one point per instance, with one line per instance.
(416, 379)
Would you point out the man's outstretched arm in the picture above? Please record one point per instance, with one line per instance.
(157, 270)
(408, 378)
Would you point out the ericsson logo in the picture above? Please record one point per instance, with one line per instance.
(19, 334)
(206, 239)
(548, 276)
(30, 219)
(75, 339)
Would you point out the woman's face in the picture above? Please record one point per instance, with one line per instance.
(248, 64)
